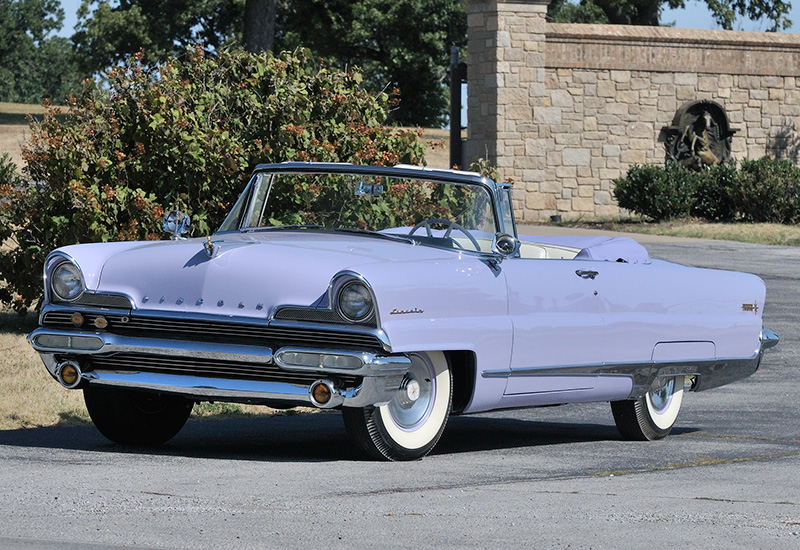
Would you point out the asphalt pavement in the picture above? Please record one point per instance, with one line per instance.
(557, 477)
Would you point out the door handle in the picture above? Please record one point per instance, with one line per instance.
(586, 274)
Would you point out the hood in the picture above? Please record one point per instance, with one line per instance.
(248, 275)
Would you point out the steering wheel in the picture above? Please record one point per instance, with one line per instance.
(450, 226)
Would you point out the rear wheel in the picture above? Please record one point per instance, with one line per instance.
(410, 425)
(652, 416)
(134, 417)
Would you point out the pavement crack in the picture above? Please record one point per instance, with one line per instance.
(742, 501)
(697, 463)
(741, 437)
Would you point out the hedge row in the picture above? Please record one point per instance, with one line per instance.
(764, 190)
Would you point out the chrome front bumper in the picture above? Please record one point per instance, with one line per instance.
(381, 375)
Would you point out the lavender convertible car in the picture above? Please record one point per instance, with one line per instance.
(400, 295)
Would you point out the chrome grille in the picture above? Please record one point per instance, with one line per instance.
(216, 331)
(317, 315)
(127, 362)
(63, 319)
(104, 300)
(308, 314)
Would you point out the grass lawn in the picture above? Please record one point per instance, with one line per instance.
(761, 233)
(30, 397)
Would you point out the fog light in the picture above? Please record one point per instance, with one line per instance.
(100, 322)
(69, 374)
(321, 393)
(77, 319)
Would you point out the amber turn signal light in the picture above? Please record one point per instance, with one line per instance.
(69, 375)
(321, 393)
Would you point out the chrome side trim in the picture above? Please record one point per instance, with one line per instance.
(710, 373)
(113, 343)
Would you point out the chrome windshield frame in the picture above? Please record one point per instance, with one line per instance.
(490, 187)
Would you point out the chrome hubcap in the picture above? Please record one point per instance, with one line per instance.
(412, 390)
(414, 400)
(661, 397)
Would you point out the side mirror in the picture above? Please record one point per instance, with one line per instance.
(505, 245)
(177, 224)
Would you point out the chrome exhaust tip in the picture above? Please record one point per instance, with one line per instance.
(68, 374)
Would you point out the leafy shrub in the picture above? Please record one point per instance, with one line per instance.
(768, 191)
(655, 192)
(764, 190)
(715, 193)
(9, 180)
(9, 173)
(185, 133)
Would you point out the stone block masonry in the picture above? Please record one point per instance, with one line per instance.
(563, 110)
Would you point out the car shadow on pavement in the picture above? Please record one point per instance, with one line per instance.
(317, 437)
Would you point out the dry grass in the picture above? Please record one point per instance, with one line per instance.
(764, 233)
(30, 396)
(761, 233)
(14, 128)
(437, 152)
(21, 109)
(12, 136)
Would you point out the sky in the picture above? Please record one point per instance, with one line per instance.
(694, 16)
(697, 16)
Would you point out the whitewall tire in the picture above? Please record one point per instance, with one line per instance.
(652, 416)
(410, 425)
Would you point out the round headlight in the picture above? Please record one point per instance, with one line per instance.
(67, 282)
(355, 301)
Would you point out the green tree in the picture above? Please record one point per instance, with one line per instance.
(109, 32)
(187, 132)
(403, 44)
(33, 64)
(648, 12)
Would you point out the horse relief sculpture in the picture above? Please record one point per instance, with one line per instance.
(700, 135)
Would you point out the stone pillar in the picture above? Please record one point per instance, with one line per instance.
(506, 94)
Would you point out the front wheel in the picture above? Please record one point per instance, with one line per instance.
(132, 417)
(652, 416)
(410, 425)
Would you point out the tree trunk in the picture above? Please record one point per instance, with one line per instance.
(259, 25)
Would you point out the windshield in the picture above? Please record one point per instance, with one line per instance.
(449, 215)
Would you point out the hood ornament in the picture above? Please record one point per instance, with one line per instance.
(177, 223)
(208, 246)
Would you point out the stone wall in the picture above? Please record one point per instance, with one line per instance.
(563, 110)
